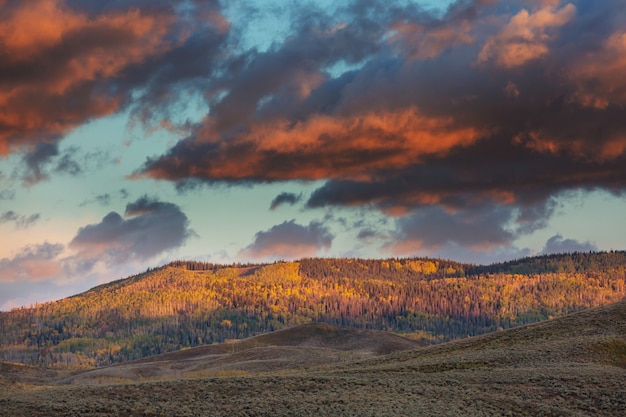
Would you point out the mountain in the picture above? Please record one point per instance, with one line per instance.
(569, 366)
(186, 304)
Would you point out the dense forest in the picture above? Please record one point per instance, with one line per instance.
(188, 303)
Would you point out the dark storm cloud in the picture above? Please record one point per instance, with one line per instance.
(285, 198)
(523, 125)
(556, 244)
(496, 106)
(149, 228)
(289, 240)
(283, 113)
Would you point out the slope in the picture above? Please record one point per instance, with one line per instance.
(591, 337)
(300, 347)
(569, 366)
(183, 305)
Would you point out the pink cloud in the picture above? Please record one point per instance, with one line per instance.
(34, 263)
(526, 36)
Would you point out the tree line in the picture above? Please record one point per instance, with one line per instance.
(188, 303)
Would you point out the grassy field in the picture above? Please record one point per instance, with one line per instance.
(571, 366)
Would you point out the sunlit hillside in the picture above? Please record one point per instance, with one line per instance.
(187, 304)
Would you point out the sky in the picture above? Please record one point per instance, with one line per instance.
(134, 132)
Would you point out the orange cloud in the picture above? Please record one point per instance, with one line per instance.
(579, 147)
(599, 75)
(526, 36)
(614, 148)
(53, 57)
(319, 147)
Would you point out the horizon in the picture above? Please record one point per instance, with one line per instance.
(269, 263)
(134, 134)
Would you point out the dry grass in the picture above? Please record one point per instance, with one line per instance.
(573, 366)
(297, 348)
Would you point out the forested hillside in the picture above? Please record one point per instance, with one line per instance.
(185, 304)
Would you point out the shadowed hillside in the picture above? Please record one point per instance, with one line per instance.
(569, 366)
(298, 347)
(596, 336)
(189, 304)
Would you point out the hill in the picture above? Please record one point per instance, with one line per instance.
(569, 263)
(299, 347)
(186, 304)
(568, 366)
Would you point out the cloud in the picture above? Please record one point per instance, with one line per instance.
(285, 198)
(429, 40)
(44, 159)
(63, 63)
(68, 164)
(101, 199)
(7, 194)
(40, 155)
(321, 147)
(367, 233)
(463, 254)
(117, 246)
(525, 37)
(407, 132)
(482, 107)
(150, 228)
(34, 263)
(556, 244)
(598, 76)
(289, 240)
(481, 230)
(499, 105)
(20, 221)
(105, 199)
